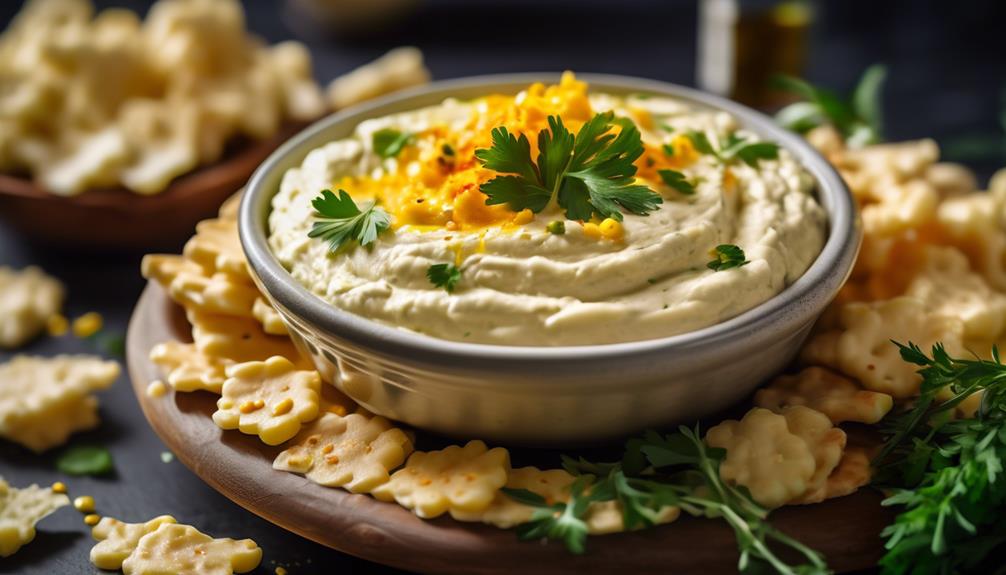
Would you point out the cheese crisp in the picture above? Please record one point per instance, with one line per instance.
(44, 400)
(356, 452)
(28, 298)
(188, 369)
(455, 479)
(118, 540)
(271, 399)
(100, 100)
(183, 550)
(20, 510)
(840, 398)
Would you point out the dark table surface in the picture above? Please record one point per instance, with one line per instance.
(946, 74)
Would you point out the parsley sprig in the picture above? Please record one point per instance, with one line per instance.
(586, 174)
(678, 181)
(340, 221)
(389, 142)
(444, 276)
(949, 473)
(727, 256)
(734, 148)
(860, 119)
(656, 472)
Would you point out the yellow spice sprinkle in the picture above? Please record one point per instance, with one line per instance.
(328, 448)
(591, 230)
(59, 487)
(57, 325)
(88, 324)
(259, 404)
(156, 389)
(92, 519)
(283, 407)
(84, 504)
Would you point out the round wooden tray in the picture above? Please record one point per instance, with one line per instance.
(120, 220)
(239, 466)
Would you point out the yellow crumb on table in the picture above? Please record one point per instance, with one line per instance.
(92, 519)
(88, 324)
(59, 487)
(57, 325)
(84, 504)
(281, 571)
(156, 389)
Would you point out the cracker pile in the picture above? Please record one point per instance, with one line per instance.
(97, 100)
(932, 269)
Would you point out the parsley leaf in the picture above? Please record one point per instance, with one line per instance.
(859, 120)
(948, 473)
(678, 181)
(389, 142)
(85, 460)
(341, 221)
(727, 256)
(591, 172)
(444, 276)
(735, 148)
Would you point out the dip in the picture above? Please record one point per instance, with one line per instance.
(537, 277)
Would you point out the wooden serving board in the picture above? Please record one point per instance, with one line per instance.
(239, 466)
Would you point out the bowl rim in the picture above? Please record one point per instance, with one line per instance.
(819, 283)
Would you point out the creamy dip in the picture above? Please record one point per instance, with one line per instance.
(524, 285)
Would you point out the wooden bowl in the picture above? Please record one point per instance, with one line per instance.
(120, 220)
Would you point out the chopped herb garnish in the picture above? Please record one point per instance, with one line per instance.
(444, 276)
(586, 174)
(667, 127)
(557, 227)
(678, 181)
(447, 149)
(340, 220)
(735, 148)
(727, 256)
(859, 120)
(668, 149)
(651, 281)
(389, 142)
(85, 460)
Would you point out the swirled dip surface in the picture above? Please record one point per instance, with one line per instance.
(522, 284)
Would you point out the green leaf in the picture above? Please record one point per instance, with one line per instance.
(85, 460)
(676, 180)
(389, 142)
(866, 98)
(517, 192)
(701, 143)
(340, 221)
(524, 497)
(555, 147)
(727, 256)
(800, 116)
(509, 154)
(444, 276)
(751, 154)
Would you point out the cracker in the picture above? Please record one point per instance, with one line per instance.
(605, 517)
(272, 322)
(270, 399)
(44, 400)
(356, 452)
(778, 457)
(399, 68)
(187, 369)
(455, 479)
(505, 512)
(183, 550)
(117, 540)
(28, 298)
(20, 510)
(189, 285)
(217, 248)
(861, 347)
(239, 339)
(853, 471)
(839, 398)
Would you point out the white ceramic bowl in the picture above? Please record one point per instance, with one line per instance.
(547, 395)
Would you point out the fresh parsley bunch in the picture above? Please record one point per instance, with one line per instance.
(656, 472)
(948, 473)
(586, 174)
(860, 120)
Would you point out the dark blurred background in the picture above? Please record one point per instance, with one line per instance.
(946, 74)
